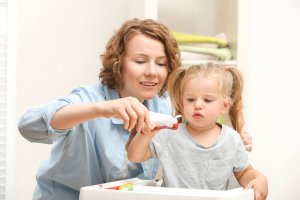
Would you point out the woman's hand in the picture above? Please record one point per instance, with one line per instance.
(129, 109)
(247, 139)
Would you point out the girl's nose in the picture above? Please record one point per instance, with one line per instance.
(198, 104)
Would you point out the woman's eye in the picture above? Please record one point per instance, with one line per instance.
(140, 61)
(161, 64)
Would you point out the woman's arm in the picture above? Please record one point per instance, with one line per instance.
(39, 123)
(34, 124)
(129, 109)
(251, 178)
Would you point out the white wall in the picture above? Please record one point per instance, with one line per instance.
(58, 47)
(274, 97)
(59, 43)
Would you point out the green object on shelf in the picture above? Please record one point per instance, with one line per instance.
(194, 38)
(221, 53)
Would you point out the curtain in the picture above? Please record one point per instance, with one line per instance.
(3, 95)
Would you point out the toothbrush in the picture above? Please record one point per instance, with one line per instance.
(173, 127)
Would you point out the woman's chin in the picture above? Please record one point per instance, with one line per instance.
(148, 96)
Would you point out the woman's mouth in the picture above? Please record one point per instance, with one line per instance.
(148, 84)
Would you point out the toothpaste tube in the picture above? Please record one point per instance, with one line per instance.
(163, 120)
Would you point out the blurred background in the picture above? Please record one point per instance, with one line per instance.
(50, 46)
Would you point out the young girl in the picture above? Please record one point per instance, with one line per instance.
(202, 153)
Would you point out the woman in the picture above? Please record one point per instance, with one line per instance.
(85, 127)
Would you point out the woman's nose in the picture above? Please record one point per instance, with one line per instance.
(151, 69)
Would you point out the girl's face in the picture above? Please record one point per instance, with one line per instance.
(203, 102)
(144, 69)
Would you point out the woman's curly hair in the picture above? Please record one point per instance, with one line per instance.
(112, 58)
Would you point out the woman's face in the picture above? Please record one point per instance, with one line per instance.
(144, 69)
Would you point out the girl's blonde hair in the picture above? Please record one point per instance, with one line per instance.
(231, 85)
(112, 58)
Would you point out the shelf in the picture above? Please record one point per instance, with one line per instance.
(196, 61)
(203, 17)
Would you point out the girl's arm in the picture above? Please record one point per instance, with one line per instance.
(251, 178)
(139, 147)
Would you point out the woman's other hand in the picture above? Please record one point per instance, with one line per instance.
(247, 139)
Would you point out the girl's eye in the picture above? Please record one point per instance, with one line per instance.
(190, 100)
(208, 100)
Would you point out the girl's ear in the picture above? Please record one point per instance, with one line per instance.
(226, 106)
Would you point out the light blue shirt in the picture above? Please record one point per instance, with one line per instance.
(87, 154)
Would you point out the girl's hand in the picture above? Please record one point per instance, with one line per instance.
(129, 109)
(247, 139)
(150, 130)
(146, 130)
(260, 186)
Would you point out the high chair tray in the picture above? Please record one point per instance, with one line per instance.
(149, 190)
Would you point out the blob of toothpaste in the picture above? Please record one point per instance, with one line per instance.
(164, 121)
